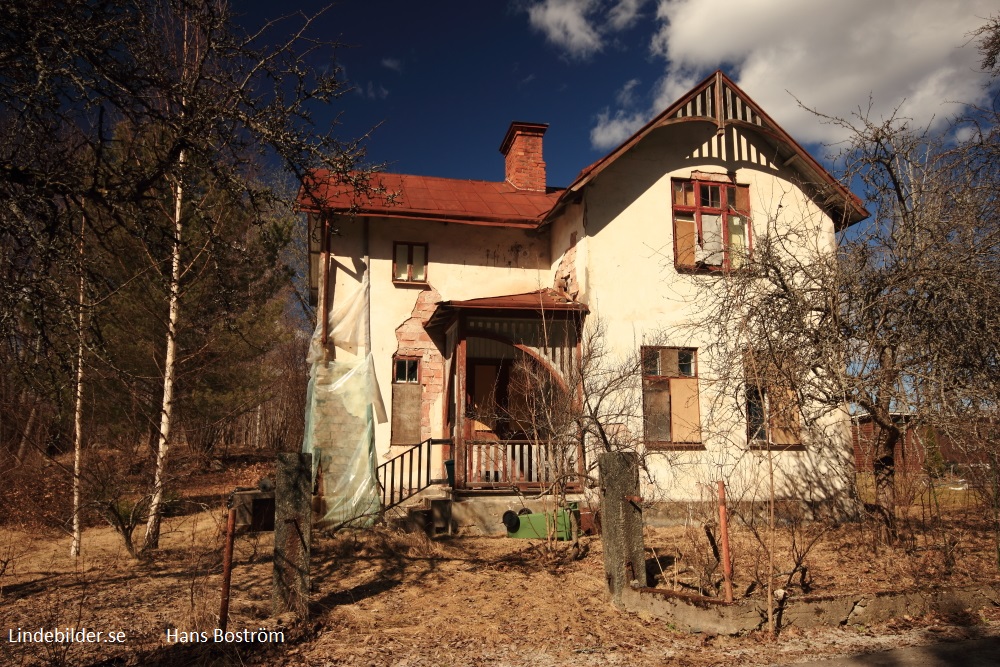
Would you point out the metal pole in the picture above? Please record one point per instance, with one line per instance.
(727, 564)
(227, 569)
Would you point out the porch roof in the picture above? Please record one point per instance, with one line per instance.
(541, 301)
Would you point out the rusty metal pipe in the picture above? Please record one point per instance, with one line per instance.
(227, 569)
(727, 563)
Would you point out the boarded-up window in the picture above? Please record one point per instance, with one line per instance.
(670, 401)
(773, 416)
(406, 399)
(711, 223)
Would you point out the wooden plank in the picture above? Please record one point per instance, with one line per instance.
(461, 456)
(685, 412)
(686, 237)
(786, 426)
(406, 399)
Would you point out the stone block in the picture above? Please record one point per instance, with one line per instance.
(292, 533)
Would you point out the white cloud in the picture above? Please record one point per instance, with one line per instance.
(829, 55)
(373, 91)
(624, 14)
(964, 133)
(626, 96)
(613, 128)
(566, 23)
(579, 27)
(392, 63)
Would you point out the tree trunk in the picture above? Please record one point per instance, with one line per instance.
(74, 548)
(22, 450)
(152, 539)
(884, 467)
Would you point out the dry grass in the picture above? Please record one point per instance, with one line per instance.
(383, 597)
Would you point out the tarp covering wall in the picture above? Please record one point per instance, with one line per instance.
(342, 403)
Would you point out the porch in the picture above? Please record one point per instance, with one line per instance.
(509, 368)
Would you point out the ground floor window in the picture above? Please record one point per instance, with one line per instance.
(773, 418)
(670, 398)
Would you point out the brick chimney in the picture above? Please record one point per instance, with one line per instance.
(522, 152)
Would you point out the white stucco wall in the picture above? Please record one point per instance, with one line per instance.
(632, 286)
(464, 262)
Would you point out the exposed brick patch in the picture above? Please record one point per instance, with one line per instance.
(566, 280)
(412, 340)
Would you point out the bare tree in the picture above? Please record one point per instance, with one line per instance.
(104, 107)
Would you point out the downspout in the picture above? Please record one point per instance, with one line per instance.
(368, 287)
(324, 281)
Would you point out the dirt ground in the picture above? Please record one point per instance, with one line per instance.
(384, 597)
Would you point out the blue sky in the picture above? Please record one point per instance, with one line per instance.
(445, 78)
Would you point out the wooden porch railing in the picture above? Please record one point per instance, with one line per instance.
(524, 464)
(407, 474)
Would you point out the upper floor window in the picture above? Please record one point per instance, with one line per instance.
(670, 401)
(409, 262)
(711, 224)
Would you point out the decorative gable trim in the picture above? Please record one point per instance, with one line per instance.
(719, 101)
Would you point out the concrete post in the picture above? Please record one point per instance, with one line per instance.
(621, 522)
(292, 533)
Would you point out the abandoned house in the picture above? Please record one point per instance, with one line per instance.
(443, 290)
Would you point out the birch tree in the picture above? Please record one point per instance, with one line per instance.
(100, 107)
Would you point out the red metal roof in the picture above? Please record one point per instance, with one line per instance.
(429, 197)
(543, 299)
(501, 204)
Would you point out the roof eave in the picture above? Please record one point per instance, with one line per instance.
(482, 221)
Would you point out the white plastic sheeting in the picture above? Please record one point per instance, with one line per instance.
(342, 403)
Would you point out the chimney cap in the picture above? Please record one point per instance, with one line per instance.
(521, 127)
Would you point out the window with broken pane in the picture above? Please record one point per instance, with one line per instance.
(711, 224)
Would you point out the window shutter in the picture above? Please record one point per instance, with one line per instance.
(687, 238)
(742, 199)
(406, 414)
(668, 362)
(685, 412)
(656, 409)
(785, 424)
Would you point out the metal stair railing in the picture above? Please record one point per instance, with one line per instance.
(407, 474)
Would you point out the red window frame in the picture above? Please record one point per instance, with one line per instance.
(733, 203)
(409, 279)
(651, 378)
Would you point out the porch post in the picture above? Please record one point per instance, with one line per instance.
(461, 462)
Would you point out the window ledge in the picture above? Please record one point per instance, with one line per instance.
(675, 446)
(706, 270)
(760, 446)
(411, 283)
(702, 268)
